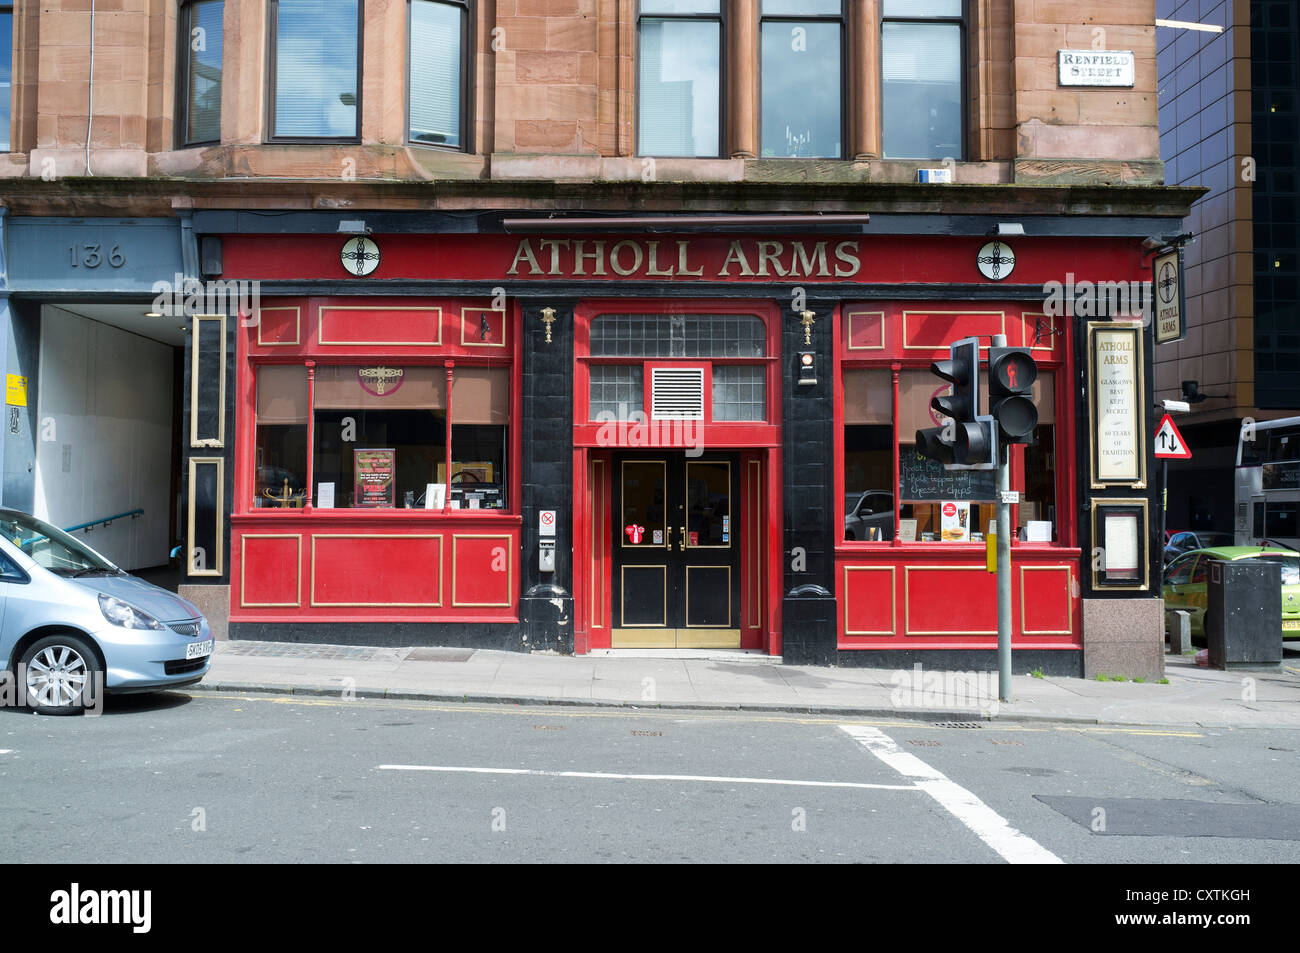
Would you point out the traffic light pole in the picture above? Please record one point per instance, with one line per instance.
(1004, 574)
(1004, 560)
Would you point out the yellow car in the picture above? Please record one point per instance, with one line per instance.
(1185, 583)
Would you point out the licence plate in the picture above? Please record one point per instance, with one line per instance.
(1291, 625)
(198, 649)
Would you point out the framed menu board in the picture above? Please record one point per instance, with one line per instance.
(374, 474)
(1115, 435)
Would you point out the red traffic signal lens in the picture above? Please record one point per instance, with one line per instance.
(1015, 372)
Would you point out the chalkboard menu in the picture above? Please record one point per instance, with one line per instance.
(921, 478)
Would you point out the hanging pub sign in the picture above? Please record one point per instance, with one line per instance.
(1167, 277)
(1095, 67)
(1115, 360)
(374, 472)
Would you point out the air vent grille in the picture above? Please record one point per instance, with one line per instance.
(677, 393)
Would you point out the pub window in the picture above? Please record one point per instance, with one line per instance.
(280, 479)
(679, 78)
(921, 69)
(315, 69)
(6, 72)
(802, 86)
(199, 56)
(437, 63)
(934, 504)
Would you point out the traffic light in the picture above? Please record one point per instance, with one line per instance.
(968, 440)
(1012, 373)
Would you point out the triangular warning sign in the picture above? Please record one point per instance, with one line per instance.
(1170, 444)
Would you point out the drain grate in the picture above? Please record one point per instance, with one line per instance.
(925, 744)
(958, 724)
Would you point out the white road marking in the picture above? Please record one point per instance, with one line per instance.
(6, 750)
(987, 824)
(645, 777)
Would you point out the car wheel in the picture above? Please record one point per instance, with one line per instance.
(60, 675)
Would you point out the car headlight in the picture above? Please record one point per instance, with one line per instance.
(126, 615)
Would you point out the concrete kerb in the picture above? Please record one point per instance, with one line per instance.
(909, 714)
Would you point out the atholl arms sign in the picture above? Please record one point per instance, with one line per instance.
(680, 258)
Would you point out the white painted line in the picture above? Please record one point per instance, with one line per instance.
(602, 775)
(6, 750)
(1188, 25)
(987, 824)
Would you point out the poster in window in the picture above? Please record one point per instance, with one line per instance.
(374, 471)
(954, 521)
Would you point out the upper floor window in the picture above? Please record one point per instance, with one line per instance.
(802, 78)
(315, 69)
(200, 62)
(6, 71)
(921, 67)
(438, 65)
(680, 78)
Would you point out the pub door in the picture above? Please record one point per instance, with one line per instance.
(676, 555)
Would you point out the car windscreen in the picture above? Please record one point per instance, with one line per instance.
(1290, 567)
(50, 547)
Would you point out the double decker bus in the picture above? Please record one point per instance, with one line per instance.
(1268, 483)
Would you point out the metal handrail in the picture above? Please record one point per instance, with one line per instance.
(106, 520)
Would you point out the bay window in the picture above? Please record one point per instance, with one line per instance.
(802, 78)
(921, 68)
(437, 65)
(679, 78)
(315, 69)
(199, 110)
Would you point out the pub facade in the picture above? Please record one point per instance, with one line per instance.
(598, 437)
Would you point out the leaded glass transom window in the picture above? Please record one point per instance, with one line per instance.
(677, 335)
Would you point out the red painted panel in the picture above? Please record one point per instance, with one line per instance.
(936, 329)
(379, 325)
(866, 329)
(376, 570)
(950, 600)
(482, 570)
(870, 600)
(280, 326)
(684, 259)
(269, 570)
(1045, 600)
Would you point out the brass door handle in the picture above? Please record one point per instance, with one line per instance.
(681, 539)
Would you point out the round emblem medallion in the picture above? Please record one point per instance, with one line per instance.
(360, 256)
(996, 260)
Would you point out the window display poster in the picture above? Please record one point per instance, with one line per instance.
(374, 471)
(435, 496)
(907, 530)
(325, 496)
(954, 521)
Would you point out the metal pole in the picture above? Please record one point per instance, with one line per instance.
(1004, 561)
(1164, 505)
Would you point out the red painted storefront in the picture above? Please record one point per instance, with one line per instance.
(383, 565)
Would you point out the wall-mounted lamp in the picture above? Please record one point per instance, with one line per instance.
(1157, 242)
(548, 318)
(353, 226)
(1193, 395)
(1006, 230)
(807, 368)
(807, 320)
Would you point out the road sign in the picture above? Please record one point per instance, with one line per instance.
(1170, 444)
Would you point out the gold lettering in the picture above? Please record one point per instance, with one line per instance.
(524, 252)
(652, 265)
(770, 251)
(736, 254)
(598, 256)
(554, 244)
(802, 263)
(683, 249)
(851, 263)
(636, 260)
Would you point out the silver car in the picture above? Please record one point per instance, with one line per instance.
(73, 625)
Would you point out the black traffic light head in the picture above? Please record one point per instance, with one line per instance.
(962, 371)
(1012, 373)
(964, 445)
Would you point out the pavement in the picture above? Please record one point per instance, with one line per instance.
(1193, 695)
